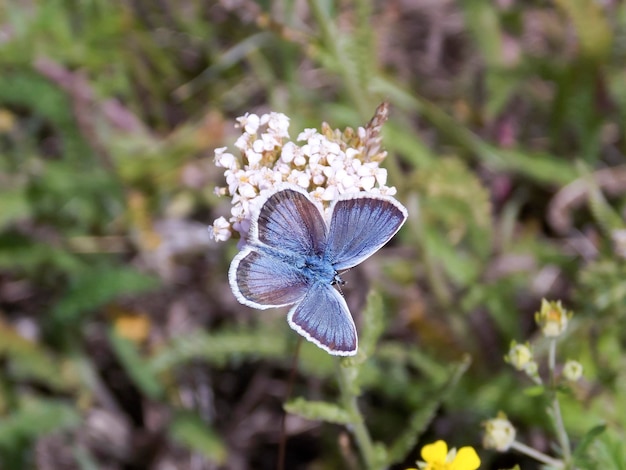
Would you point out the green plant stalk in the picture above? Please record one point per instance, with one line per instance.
(552, 361)
(329, 38)
(560, 430)
(607, 219)
(557, 417)
(535, 454)
(358, 429)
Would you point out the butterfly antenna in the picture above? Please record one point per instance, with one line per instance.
(282, 443)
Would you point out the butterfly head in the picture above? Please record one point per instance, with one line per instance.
(337, 280)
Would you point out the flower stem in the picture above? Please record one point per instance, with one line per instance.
(552, 360)
(346, 376)
(535, 454)
(557, 417)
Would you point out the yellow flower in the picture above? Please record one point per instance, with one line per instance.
(437, 457)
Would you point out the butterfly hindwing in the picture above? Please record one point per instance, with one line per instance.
(323, 318)
(360, 225)
(261, 280)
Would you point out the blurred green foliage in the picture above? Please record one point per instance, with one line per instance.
(506, 143)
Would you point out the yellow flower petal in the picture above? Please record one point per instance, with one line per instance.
(435, 452)
(466, 459)
(135, 327)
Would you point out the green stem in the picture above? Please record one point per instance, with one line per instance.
(536, 378)
(560, 430)
(358, 428)
(331, 41)
(535, 454)
(552, 361)
(557, 417)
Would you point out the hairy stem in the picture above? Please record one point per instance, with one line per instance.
(535, 454)
(557, 417)
(346, 376)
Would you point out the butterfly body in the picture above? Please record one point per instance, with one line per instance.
(313, 267)
(294, 256)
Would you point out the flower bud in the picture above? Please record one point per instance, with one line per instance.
(572, 370)
(499, 433)
(552, 318)
(519, 355)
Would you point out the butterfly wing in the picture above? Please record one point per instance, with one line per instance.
(289, 221)
(323, 318)
(262, 280)
(360, 225)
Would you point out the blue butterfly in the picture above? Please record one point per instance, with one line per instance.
(293, 256)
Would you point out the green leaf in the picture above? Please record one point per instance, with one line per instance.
(534, 391)
(136, 366)
(541, 167)
(76, 204)
(482, 20)
(102, 284)
(602, 285)
(219, 348)
(13, 206)
(607, 218)
(31, 360)
(587, 440)
(606, 452)
(594, 33)
(23, 86)
(423, 415)
(456, 216)
(318, 411)
(190, 431)
(35, 418)
(19, 253)
(460, 267)
(400, 138)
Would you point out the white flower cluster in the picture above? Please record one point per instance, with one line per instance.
(326, 165)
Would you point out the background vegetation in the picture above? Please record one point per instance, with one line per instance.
(121, 344)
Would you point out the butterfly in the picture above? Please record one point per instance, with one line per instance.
(294, 256)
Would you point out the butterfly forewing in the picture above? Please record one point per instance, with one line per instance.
(262, 281)
(323, 318)
(360, 226)
(289, 221)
